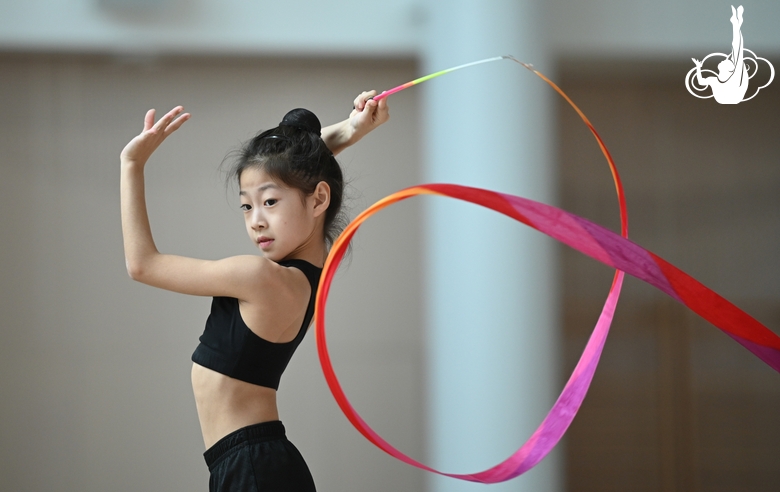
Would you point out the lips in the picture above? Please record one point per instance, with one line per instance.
(264, 242)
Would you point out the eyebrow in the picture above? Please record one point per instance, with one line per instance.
(260, 189)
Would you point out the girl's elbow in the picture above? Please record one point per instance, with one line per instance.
(141, 266)
(135, 270)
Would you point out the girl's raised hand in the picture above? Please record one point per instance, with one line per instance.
(139, 149)
(368, 114)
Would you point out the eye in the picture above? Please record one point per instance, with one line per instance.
(270, 202)
(245, 207)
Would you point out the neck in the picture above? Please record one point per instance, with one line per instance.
(312, 250)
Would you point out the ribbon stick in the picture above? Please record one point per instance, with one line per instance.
(587, 237)
(434, 75)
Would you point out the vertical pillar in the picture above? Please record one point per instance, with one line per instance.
(491, 282)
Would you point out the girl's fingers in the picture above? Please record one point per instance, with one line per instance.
(172, 113)
(149, 120)
(166, 125)
(168, 118)
(368, 97)
(175, 124)
(382, 107)
(161, 126)
(360, 101)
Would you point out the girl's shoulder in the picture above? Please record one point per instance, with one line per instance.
(280, 282)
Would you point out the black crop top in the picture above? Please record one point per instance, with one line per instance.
(229, 347)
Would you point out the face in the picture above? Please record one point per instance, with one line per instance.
(281, 221)
(725, 68)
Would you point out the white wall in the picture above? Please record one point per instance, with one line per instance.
(659, 29)
(595, 28)
(347, 27)
(491, 285)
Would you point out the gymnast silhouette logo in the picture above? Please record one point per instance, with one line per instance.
(730, 84)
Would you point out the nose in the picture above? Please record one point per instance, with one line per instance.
(258, 220)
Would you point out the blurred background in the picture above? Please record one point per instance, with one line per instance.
(453, 330)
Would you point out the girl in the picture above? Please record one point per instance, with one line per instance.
(291, 192)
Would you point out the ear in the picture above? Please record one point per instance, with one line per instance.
(320, 198)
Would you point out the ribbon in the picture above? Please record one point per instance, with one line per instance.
(583, 235)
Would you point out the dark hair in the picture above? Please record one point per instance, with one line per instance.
(295, 154)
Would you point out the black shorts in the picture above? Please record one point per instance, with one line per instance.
(257, 458)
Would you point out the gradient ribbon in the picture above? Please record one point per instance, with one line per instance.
(587, 237)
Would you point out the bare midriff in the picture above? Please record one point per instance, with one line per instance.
(225, 404)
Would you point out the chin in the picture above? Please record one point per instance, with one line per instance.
(272, 255)
(268, 255)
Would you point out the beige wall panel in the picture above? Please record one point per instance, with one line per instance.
(675, 404)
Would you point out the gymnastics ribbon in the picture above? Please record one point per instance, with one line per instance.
(587, 237)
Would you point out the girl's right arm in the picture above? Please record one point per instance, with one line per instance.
(242, 277)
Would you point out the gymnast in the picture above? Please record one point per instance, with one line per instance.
(731, 84)
(291, 190)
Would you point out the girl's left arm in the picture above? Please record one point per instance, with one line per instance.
(365, 117)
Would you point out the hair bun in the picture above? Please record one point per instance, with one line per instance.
(302, 119)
